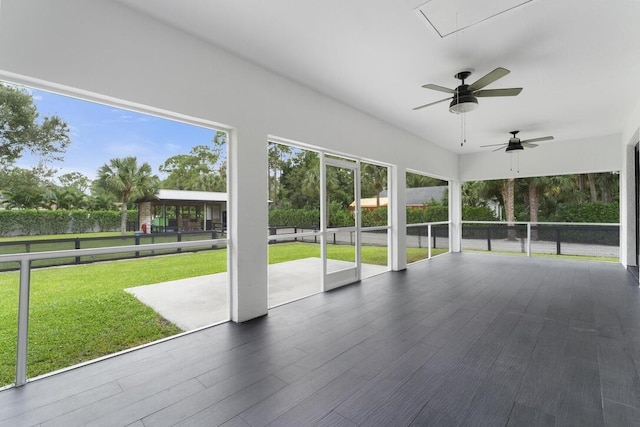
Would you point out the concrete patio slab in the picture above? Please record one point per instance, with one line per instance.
(200, 301)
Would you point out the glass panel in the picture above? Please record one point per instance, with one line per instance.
(427, 199)
(375, 253)
(417, 243)
(97, 306)
(341, 196)
(375, 200)
(294, 191)
(586, 241)
(87, 311)
(499, 238)
(295, 271)
(9, 286)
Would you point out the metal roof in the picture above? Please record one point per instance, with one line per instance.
(190, 196)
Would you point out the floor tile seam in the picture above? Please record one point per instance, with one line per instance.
(364, 382)
(129, 403)
(637, 408)
(192, 415)
(57, 402)
(134, 404)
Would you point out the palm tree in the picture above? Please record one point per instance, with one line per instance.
(125, 180)
(508, 198)
(375, 178)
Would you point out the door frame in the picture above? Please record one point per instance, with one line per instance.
(336, 279)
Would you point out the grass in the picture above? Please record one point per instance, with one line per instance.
(80, 313)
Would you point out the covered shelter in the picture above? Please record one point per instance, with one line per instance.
(417, 197)
(182, 210)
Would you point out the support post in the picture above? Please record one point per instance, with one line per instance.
(23, 322)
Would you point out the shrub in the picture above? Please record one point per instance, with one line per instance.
(588, 212)
(35, 222)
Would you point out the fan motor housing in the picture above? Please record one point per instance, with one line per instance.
(463, 100)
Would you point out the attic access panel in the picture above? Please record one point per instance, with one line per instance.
(450, 16)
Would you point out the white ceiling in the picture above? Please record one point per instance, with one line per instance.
(577, 60)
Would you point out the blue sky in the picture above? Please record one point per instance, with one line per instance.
(100, 133)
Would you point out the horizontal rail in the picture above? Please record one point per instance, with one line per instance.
(35, 256)
(271, 237)
(534, 224)
(424, 224)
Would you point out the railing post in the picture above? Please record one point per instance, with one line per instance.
(77, 246)
(179, 239)
(489, 238)
(419, 237)
(137, 242)
(528, 239)
(23, 322)
(429, 239)
(558, 241)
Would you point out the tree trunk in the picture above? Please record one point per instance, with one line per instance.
(508, 190)
(534, 202)
(592, 187)
(123, 219)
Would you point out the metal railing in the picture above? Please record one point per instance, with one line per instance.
(550, 238)
(25, 260)
(416, 234)
(77, 243)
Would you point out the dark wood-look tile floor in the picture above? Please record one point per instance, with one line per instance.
(461, 340)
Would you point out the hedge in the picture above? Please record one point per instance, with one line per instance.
(35, 222)
(588, 212)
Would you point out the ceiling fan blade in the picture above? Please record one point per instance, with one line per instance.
(489, 78)
(528, 144)
(438, 88)
(492, 145)
(544, 138)
(512, 91)
(431, 103)
(500, 148)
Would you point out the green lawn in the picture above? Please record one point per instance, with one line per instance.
(79, 313)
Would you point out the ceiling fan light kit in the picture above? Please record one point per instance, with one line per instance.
(514, 147)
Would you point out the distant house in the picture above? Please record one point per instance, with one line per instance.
(416, 198)
(182, 210)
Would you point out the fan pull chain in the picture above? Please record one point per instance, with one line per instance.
(517, 162)
(463, 129)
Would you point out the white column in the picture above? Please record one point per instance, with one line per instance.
(455, 216)
(398, 209)
(627, 207)
(247, 223)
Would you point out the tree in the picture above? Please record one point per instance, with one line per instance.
(277, 162)
(189, 171)
(24, 188)
(76, 180)
(22, 129)
(508, 198)
(126, 180)
(374, 180)
(416, 180)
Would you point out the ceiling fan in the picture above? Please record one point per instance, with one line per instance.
(516, 143)
(465, 97)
